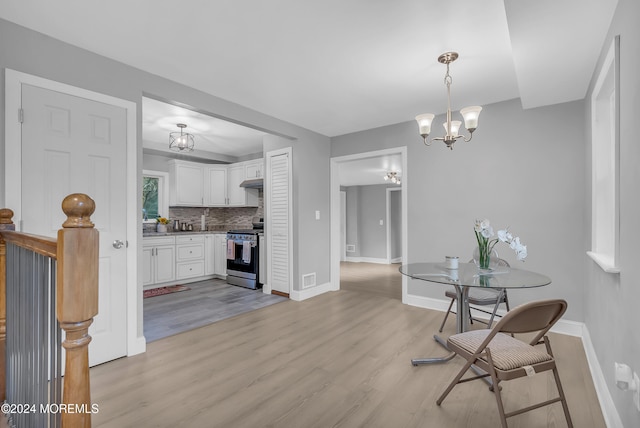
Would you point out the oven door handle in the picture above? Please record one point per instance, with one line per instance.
(241, 242)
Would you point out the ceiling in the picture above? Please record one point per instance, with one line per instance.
(337, 66)
(333, 66)
(215, 139)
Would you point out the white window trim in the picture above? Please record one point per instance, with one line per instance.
(163, 192)
(606, 256)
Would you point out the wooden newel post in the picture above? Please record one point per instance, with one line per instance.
(5, 224)
(77, 303)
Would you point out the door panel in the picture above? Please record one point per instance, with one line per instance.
(279, 218)
(74, 145)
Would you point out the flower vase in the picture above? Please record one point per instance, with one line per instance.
(485, 260)
(161, 228)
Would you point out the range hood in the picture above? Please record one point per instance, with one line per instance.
(254, 183)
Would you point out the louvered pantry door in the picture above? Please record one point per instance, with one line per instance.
(278, 187)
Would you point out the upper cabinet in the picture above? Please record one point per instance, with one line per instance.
(186, 184)
(253, 169)
(194, 184)
(216, 186)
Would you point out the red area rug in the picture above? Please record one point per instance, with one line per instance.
(164, 290)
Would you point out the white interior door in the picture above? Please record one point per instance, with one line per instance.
(75, 145)
(278, 188)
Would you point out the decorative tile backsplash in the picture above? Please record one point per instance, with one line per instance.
(215, 218)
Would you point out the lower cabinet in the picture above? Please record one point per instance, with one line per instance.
(220, 255)
(189, 256)
(158, 260)
(169, 260)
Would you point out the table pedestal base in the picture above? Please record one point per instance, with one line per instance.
(435, 360)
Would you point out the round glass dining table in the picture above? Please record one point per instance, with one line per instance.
(468, 275)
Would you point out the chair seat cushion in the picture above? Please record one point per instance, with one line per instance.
(508, 353)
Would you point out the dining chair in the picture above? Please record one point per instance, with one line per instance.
(503, 357)
(481, 297)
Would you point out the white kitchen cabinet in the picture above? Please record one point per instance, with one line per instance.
(253, 169)
(235, 176)
(194, 184)
(239, 196)
(189, 256)
(216, 186)
(158, 260)
(210, 254)
(186, 183)
(220, 255)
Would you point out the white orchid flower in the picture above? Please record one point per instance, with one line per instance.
(521, 252)
(504, 235)
(487, 232)
(484, 231)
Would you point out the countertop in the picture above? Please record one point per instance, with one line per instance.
(172, 233)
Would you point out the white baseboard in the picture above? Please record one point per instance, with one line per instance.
(609, 411)
(367, 260)
(310, 292)
(567, 327)
(137, 346)
(570, 328)
(397, 260)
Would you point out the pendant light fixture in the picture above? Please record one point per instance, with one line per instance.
(181, 141)
(393, 177)
(470, 114)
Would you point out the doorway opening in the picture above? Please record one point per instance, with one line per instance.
(368, 222)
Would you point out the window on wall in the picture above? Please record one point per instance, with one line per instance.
(155, 195)
(605, 225)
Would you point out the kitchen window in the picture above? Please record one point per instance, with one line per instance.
(155, 195)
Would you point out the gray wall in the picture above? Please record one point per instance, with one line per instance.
(34, 53)
(366, 206)
(517, 171)
(611, 301)
(395, 224)
(353, 213)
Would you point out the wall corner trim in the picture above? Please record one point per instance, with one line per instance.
(307, 293)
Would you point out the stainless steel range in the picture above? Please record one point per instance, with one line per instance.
(242, 257)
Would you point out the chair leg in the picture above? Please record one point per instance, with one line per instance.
(495, 307)
(446, 315)
(496, 389)
(455, 381)
(556, 376)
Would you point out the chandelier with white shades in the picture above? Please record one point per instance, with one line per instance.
(470, 114)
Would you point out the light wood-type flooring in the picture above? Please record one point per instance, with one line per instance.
(204, 303)
(341, 359)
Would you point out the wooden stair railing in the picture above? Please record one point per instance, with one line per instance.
(76, 252)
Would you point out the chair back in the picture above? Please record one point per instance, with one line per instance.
(530, 317)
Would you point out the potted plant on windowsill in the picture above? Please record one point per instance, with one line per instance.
(161, 225)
